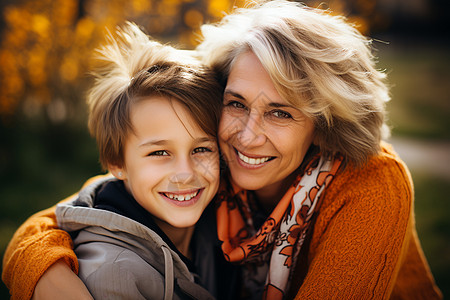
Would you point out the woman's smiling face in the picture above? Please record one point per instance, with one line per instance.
(263, 138)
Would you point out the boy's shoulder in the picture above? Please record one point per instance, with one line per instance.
(109, 270)
(131, 268)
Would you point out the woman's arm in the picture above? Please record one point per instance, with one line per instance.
(60, 282)
(362, 235)
(35, 247)
(358, 253)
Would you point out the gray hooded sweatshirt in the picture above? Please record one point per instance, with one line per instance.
(121, 258)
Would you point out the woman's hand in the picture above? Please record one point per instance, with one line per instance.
(60, 282)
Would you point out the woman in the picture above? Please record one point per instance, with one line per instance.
(300, 82)
(315, 205)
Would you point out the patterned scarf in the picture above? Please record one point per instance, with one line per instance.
(278, 241)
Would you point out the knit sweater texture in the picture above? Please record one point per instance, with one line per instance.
(363, 243)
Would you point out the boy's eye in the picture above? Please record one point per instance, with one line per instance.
(281, 114)
(201, 150)
(158, 153)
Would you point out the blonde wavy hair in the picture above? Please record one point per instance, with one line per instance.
(133, 67)
(318, 62)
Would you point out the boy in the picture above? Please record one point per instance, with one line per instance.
(154, 113)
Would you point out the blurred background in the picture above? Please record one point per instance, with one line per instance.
(45, 46)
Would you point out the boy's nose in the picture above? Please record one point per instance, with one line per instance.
(183, 171)
(182, 178)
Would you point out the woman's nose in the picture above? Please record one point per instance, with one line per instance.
(251, 133)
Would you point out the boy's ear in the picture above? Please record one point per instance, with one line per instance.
(117, 171)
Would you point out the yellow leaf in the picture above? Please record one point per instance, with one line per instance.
(193, 18)
(40, 25)
(216, 8)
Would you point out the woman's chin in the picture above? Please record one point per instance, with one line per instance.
(247, 181)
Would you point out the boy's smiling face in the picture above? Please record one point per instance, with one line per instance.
(171, 166)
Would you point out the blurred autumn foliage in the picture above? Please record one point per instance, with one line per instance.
(46, 45)
(45, 57)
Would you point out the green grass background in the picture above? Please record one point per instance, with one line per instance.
(40, 164)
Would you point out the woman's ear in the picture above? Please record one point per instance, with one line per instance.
(118, 172)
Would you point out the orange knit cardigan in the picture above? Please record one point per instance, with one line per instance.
(363, 244)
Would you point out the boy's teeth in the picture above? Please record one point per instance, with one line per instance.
(184, 197)
(252, 161)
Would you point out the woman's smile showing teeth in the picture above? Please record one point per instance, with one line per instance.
(255, 161)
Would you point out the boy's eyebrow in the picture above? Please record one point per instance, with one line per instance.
(205, 139)
(161, 142)
(153, 142)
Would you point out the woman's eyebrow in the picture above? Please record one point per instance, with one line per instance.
(270, 104)
(283, 105)
(277, 105)
(234, 94)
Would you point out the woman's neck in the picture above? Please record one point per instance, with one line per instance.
(180, 237)
(269, 196)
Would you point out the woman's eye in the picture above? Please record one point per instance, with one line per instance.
(236, 104)
(201, 150)
(281, 114)
(158, 153)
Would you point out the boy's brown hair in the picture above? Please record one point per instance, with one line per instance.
(134, 68)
